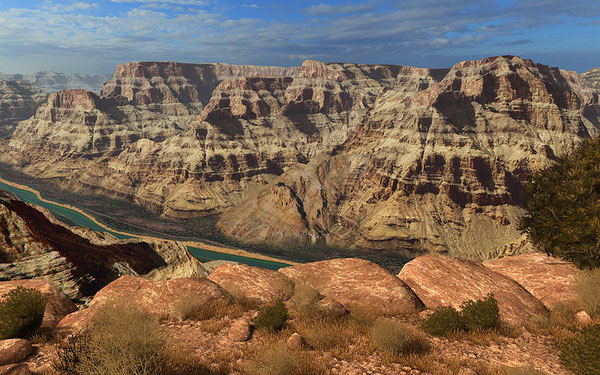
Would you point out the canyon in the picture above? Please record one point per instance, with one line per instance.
(329, 155)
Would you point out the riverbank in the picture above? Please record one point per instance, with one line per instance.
(193, 245)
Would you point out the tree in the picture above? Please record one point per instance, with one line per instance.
(563, 207)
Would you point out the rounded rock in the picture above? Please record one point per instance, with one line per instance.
(15, 369)
(583, 318)
(14, 351)
(240, 330)
(295, 342)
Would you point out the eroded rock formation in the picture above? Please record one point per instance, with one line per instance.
(80, 261)
(18, 101)
(591, 78)
(440, 168)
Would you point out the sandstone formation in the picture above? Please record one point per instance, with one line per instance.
(15, 369)
(549, 279)
(445, 281)
(33, 244)
(357, 284)
(252, 283)
(53, 82)
(187, 139)
(18, 101)
(591, 78)
(351, 155)
(437, 167)
(58, 305)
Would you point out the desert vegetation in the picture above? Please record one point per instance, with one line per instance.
(21, 313)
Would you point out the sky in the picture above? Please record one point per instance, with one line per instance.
(94, 36)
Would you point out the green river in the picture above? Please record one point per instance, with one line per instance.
(83, 221)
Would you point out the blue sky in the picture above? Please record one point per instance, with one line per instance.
(95, 36)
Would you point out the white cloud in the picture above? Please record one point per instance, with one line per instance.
(178, 2)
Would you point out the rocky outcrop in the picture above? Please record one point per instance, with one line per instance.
(591, 78)
(357, 284)
(58, 305)
(53, 82)
(159, 298)
(252, 283)
(444, 281)
(549, 279)
(439, 167)
(18, 102)
(33, 244)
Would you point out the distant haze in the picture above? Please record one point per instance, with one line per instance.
(95, 36)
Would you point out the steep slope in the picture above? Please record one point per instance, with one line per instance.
(440, 170)
(591, 78)
(142, 142)
(18, 101)
(78, 260)
(53, 82)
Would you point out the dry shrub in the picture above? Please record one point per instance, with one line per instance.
(581, 354)
(304, 302)
(587, 286)
(124, 341)
(392, 336)
(523, 370)
(187, 308)
(276, 359)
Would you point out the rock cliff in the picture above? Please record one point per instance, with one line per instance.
(143, 141)
(364, 156)
(591, 78)
(440, 168)
(33, 244)
(18, 101)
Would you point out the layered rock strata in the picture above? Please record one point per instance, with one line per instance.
(143, 141)
(591, 78)
(18, 101)
(80, 261)
(440, 169)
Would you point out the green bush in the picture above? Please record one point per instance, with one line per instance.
(563, 207)
(444, 321)
(480, 314)
(394, 337)
(271, 318)
(21, 313)
(587, 286)
(581, 354)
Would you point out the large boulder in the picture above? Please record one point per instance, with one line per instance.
(58, 305)
(357, 284)
(549, 279)
(159, 298)
(14, 351)
(441, 280)
(253, 283)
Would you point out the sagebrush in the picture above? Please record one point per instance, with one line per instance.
(581, 354)
(21, 313)
(398, 338)
(271, 318)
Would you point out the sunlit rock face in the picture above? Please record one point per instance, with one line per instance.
(591, 78)
(187, 139)
(438, 168)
